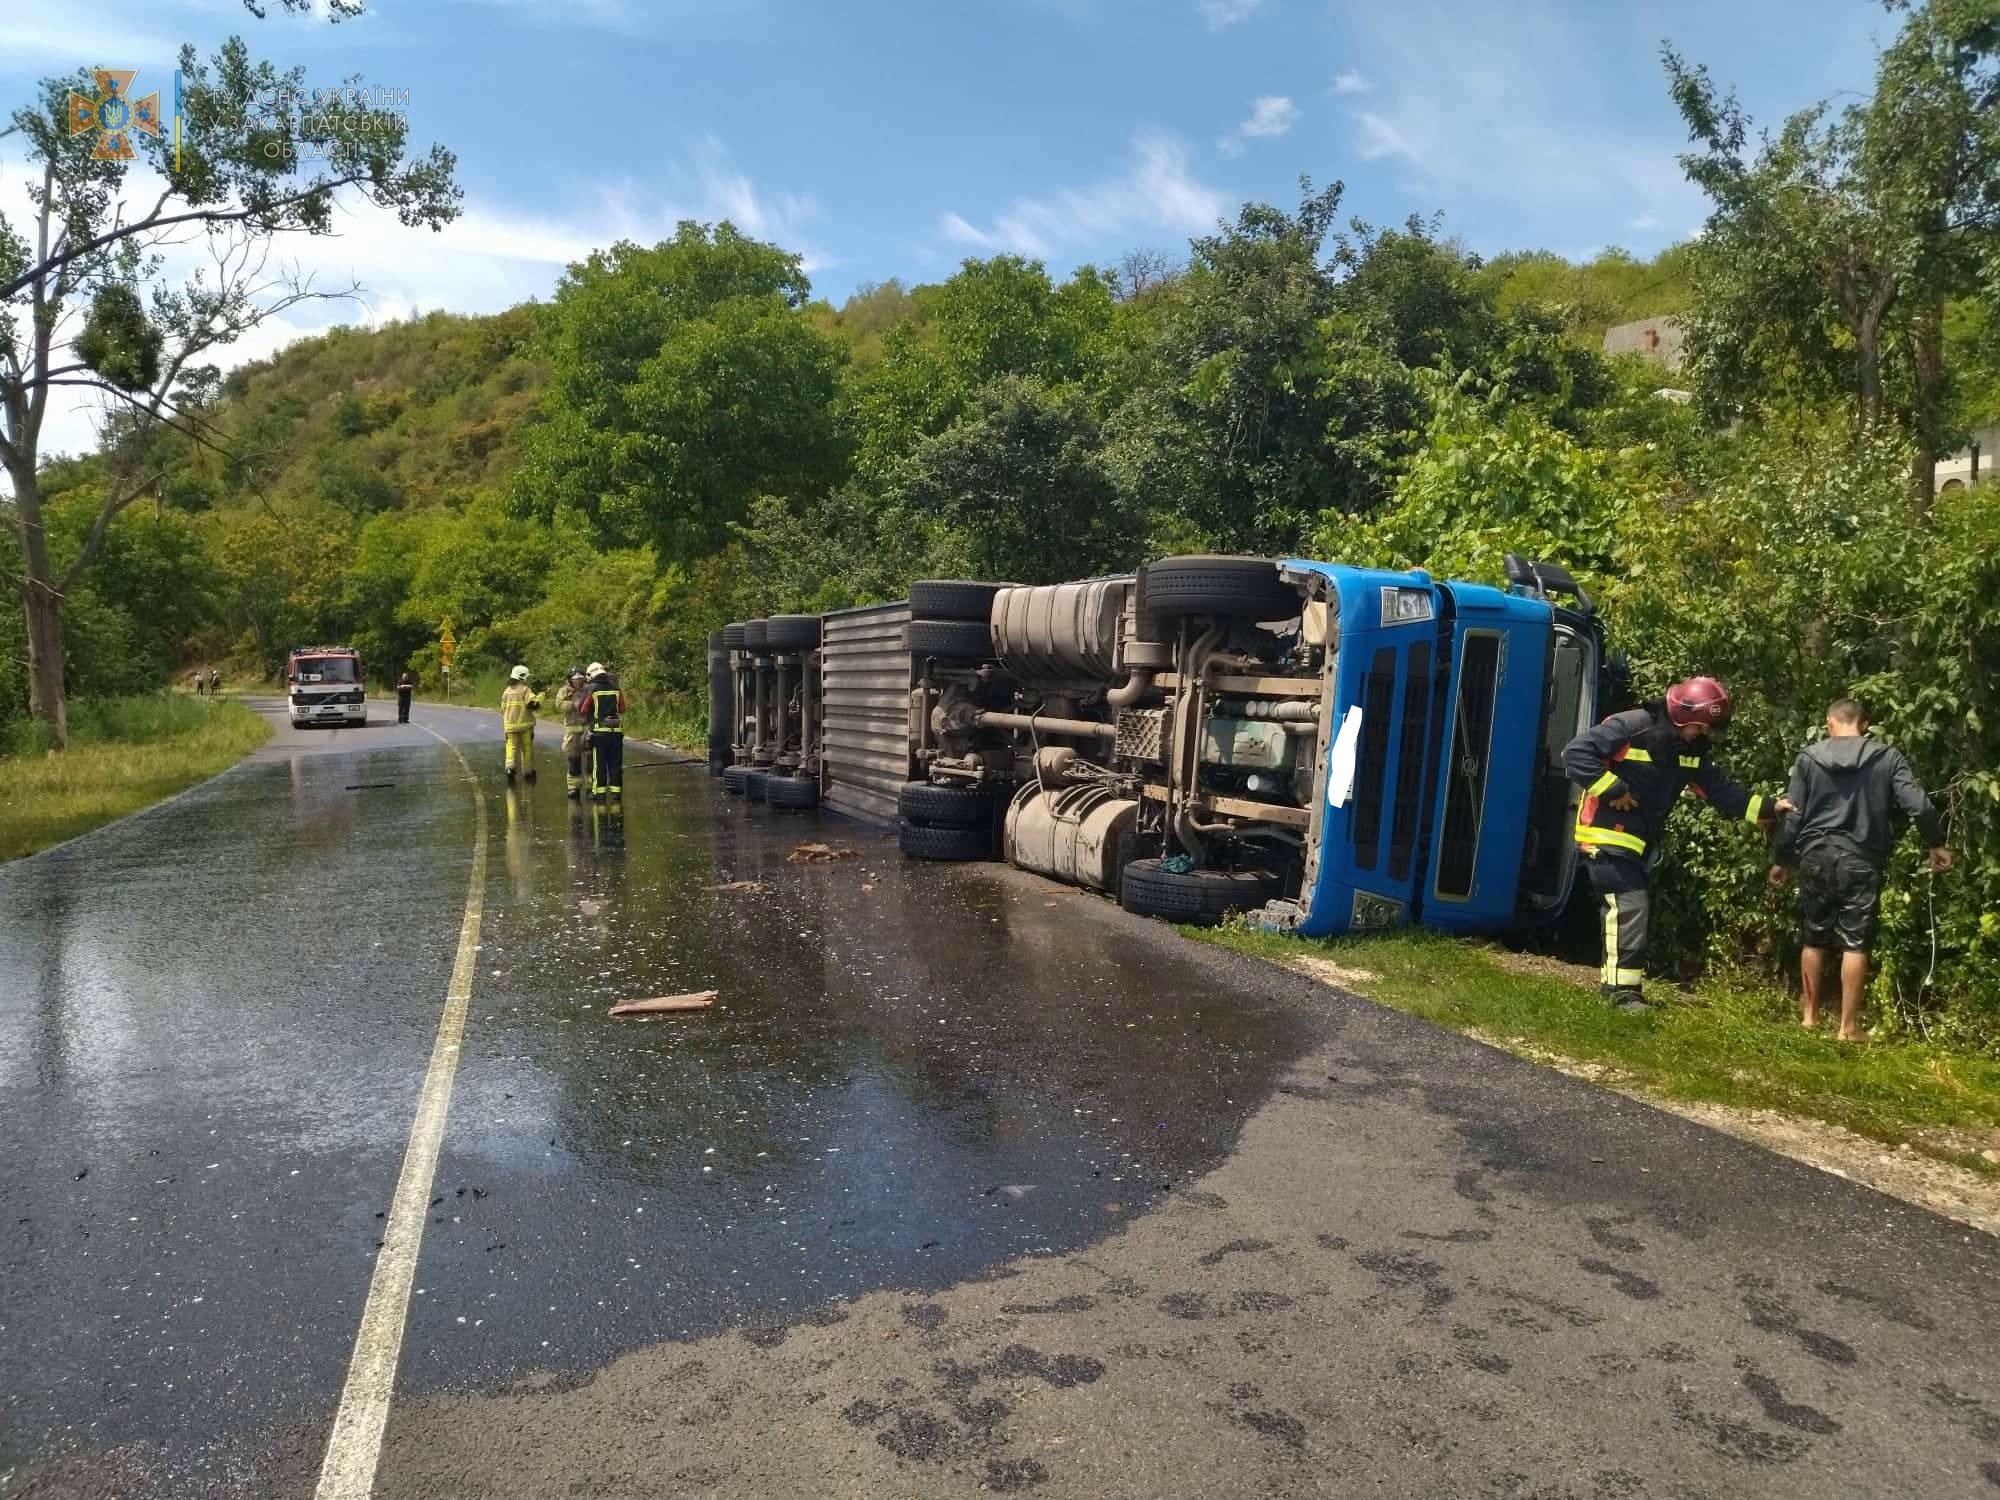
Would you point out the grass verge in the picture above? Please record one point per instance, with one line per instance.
(124, 754)
(1722, 1043)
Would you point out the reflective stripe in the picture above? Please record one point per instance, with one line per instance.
(1609, 972)
(1628, 977)
(1633, 752)
(1755, 810)
(1615, 837)
(1690, 762)
(1603, 784)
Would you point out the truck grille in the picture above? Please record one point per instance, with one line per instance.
(1468, 752)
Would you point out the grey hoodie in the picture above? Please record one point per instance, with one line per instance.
(1856, 789)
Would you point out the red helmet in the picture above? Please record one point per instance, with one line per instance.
(1699, 700)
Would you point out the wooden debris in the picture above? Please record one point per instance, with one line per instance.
(739, 885)
(701, 1000)
(819, 854)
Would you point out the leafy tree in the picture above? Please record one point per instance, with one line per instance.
(257, 162)
(1020, 480)
(1833, 250)
(997, 317)
(684, 380)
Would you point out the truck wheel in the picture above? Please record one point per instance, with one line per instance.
(953, 599)
(951, 640)
(943, 806)
(923, 841)
(792, 791)
(735, 780)
(1246, 588)
(753, 634)
(1200, 898)
(755, 783)
(732, 636)
(792, 632)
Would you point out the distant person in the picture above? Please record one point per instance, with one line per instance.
(576, 731)
(200, 684)
(1852, 794)
(1631, 768)
(214, 682)
(518, 703)
(406, 685)
(604, 714)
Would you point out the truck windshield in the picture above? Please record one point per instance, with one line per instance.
(327, 669)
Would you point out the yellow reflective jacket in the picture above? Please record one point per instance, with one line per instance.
(517, 707)
(571, 704)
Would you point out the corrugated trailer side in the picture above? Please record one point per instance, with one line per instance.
(866, 676)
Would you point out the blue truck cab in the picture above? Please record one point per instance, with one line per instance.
(1440, 795)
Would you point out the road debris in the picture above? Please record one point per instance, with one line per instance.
(369, 786)
(820, 854)
(588, 907)
(700, 1000)
(739, 885)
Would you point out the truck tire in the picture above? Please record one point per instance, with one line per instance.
(1244, 588)
(923, 841)
(735, 780)
(1200, 898)
(753, 635)
(732, 635)
(953, 599)
(791, 791)
(951, 640)
(792, 632)
(754, 784)
(943, 806)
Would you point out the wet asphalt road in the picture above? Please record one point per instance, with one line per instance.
(969, 1183)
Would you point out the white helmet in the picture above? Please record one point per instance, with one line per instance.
(519, 674)
(595, 669)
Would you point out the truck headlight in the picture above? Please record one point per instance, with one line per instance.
(1402, 606)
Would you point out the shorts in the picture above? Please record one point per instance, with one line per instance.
(1840, 894)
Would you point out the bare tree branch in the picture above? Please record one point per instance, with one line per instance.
(56, 262)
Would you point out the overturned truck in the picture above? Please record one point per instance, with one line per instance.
(1332, 748)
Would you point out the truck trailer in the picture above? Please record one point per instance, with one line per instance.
(1327, 748)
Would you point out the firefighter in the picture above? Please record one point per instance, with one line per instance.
(604, 714)
(576, 733)
(1631, 768)
(405, 686)
(517, 717)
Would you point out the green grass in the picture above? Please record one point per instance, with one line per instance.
(124, 754)
(1724, 1043)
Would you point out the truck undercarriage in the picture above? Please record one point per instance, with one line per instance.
(1332, 748)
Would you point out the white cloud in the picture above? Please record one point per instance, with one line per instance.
(59, 38)
(1159, 192)
(491, 257)
(1350, 82)
(1225, 13)
(1270, 116)
(1513, 118)
(1645, 223)
(1273, 115)
(1379, 139)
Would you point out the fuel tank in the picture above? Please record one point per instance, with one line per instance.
(1060, 632)
(1080, 835)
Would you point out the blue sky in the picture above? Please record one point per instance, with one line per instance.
(895, 137)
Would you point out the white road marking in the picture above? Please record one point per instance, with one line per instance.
(355, 1446)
